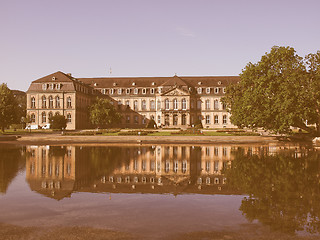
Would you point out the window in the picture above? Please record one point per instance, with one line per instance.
(57, 102)
(58, 86)
(44, 86)
(167, 166)
(50, 115)
(166, 120)
(175, 119)
(224, 119)
(128, 90)
(175, 104)
(43, 117)
(44, 102)
(216, 119)
(167, 104)
(184, 104)
(216, 104)
(69, 105)
(127, 103)
(144, 120)
(50, 102)
(144, 91)
(127, 119)
(152, 90)
(135, 105)
(207, 151)
(216, 151)
(224, 106)
(199, 90)
(160, 90)
(136, 119)
(216, 166)
(152, 105)
(119, 91)
(33, 118)
(33, 102)
(104, 91)
(175, 166)
(136, 91)
(51, 86)
(158, 104)
(216, 90)
(184, 166)
(199, 104)
(69, 117)
(224, 151)
(159, 119)
(183, 119)
(111, 91)
(143, 105)
(207, 119)
(224, 90)
(207, 104)
(207, 166)
(208, 90)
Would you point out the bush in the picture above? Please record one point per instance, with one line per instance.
(58, 122)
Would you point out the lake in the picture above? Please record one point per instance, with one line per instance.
(221, 191)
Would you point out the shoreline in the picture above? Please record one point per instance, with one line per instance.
(49, 139)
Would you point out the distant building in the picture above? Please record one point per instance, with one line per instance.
(173, 102)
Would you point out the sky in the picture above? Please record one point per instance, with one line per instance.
(148, 37)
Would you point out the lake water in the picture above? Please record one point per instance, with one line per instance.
(269, 191)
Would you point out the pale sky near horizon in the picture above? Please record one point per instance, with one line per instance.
(148, 37)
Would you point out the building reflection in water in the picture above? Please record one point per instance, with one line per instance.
(57, 171)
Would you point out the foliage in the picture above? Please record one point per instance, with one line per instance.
(58, 122)
(151, 124)
(103, 113)
(283, 188)
(279, 91)
(198, 124)
(8, 107)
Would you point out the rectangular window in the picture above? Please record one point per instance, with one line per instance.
(144, 91)
(216, 119)
(119, 91)
(111, 91)
(152, 90)
(136, 91)
(207, 119)
(224, 120)
(128, 90)
(199, 90)
(216, 90)
(208, 90)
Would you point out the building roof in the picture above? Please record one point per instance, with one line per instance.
(55, 77)
(110, 82)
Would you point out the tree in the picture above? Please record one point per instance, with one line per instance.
(58, 122)
(151, 124)
(278, 92)
(8, 107)
(103, 113)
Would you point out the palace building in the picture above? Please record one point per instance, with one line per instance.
(172, 102)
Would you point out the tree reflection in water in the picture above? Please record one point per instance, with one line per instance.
(283, 188)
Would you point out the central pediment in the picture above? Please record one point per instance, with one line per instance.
(176, 92)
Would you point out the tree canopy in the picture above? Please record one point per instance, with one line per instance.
(58, 122)
(8, 107)
(103, 113)
(278, 92)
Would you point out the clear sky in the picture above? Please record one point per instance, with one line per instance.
(148, 37)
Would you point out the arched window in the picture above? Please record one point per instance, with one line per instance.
(167, 104)
(69, 105)
(50, 102)
(69, 117)
(152, 105)
(44, 102)
(175, 104)
(57, 102)
(216, 104)
(33, 102)
(33, 118)
(207, 104)
(135, 105)
(175, 119)
(143, 105)
(184, 104)
(50, 115)
(183, 119)
(43, 117)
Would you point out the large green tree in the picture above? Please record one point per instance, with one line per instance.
(8, 107)
(103, 113)
(58, 122)
(280, 91)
